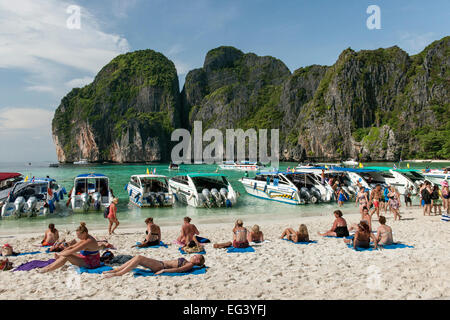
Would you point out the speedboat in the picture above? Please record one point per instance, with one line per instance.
(149, 190)
(31, 198)
(350, 163)
(90, 192)
(401, 179)
(437, 176)
(81, 162)
(7, 182)
(241, 166)
(203, 190)
(287, 187)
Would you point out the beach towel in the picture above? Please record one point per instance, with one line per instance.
(33, 265)
(240, 250)
(161, 244)
(23, 253)
(390, 246)
(98, 270)
(445, 217)
(309, 242)
(258, 243)
(184, 252)
(347, 237)
(148, 273)
(202, 240)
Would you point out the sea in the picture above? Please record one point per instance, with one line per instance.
(247, 207)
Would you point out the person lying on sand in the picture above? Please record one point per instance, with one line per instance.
(384, 233)
(61, 245)
(153, 235)
(88, 248)
(362, 236)
(188, 233)
(339, 228)
(255, 235)
(50, 236)
(297, 236)
(365, 217)
(239, 237)
(159, 267)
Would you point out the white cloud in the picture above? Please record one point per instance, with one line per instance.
(41, 88)
(34, 37)
(415, 43)
(19, 119)
(79, 82)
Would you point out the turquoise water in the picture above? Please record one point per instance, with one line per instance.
(129, 215)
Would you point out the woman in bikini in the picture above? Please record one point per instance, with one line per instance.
(394, 202)
(362, 237)
(301, 235)
(445, 196)
(51, 236)
(361, 197)
(384, 233)
(339, 228)
(88, 248)
(159, 267)
(255, 235)
(239, 237)
(366, 217)
(153, 235)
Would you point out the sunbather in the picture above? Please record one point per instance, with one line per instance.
(255, 235)
(153, 234)
(362, 236)
(297, 236)
(384, 233)
(239, 237)
(339, 228)
(188, 233)
(51, 236)
(157, 266)
(88, 248)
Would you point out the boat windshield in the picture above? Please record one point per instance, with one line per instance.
(209, 183)
(27, 190)
(92, 186)
(414, 176)
(154, 185)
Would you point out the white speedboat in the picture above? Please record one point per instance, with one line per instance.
(203, 190)
(241, 166)
(90, 192)
(287, 187)
(174, 166)
(350, 163)
(437, 176)
(149, 190)
(81, 162)
(31, 198)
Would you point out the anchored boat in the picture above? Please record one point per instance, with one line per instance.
(7, 182)
(149, 190)
(37, 197)
(241, 166)
(437, 176)
(203, 190)
(91, 192)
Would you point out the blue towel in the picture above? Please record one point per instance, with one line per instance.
(148, 273)
(183, 252)
(98, 270)
(390, 246)
(233, 249)
(309, 242)
(161, 244)
(202, 240)
(24, 253)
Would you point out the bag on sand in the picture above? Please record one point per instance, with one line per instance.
(5, 265)
(106, 212)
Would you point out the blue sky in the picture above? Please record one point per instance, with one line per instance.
(41, 59)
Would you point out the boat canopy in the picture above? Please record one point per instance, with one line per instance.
(193, 175)
(278, 172)
(92, 175)
(8, 175)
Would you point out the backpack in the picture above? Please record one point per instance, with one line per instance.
(106, 212)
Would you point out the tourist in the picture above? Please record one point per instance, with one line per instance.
(361, 197)
(408, 194)
(384, 233)
(297, 236)
(88, 248)
(339, 228)
(188, 234)
(375, 199)
(386, 200)
(365, 217)
(255, 234)
(362, 236)
(426, 198)
(342, 197)
(446, 196)
(50, 236)
(240, 239)
(153, 235)
(436, 200)
(112, 216)
(394, 202)
(157, 266)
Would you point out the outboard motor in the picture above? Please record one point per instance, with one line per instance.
(85, 201)
(19, 203)
(216, 195)
(208, 197)
(304, 193)
(31, 204)
(315, 193)
(97, 197)
(348, 193)
(160, 198)
(151, 199)
(352, 190)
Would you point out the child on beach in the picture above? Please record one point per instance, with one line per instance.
(339, 228)
(50, 236)
(342, 197)
(297, 236)
(240, 239)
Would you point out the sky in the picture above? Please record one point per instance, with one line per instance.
(45, 51)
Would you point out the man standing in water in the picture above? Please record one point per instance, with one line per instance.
(112, 216)
(375, 199)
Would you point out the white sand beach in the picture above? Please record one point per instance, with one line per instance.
(278, 269)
